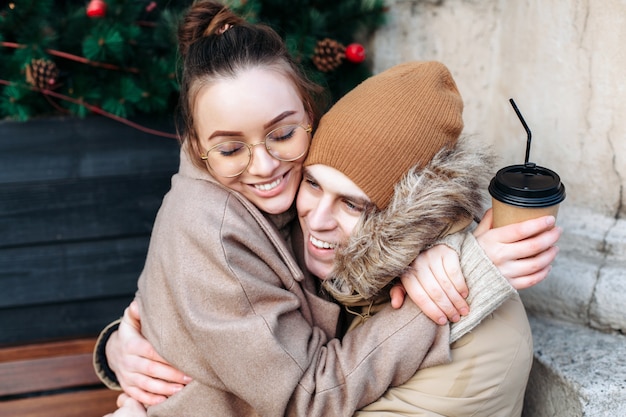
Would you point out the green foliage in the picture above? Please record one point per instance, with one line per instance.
(125, 62)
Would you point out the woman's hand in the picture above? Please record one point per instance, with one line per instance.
(522, 252)
(128, 407)
(436, 284)
(143, 374)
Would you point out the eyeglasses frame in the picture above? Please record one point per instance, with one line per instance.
(308, 129)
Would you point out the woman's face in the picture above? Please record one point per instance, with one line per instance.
(329, 207)
(246, 109)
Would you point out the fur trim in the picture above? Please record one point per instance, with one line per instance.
(426, 204)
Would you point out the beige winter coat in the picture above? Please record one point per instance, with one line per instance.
(224, 300)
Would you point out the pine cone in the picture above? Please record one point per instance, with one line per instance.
(328, 55)
(42, 73)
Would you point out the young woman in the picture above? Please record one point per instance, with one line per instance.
(221, 294)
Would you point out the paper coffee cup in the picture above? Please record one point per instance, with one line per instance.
(524, 192)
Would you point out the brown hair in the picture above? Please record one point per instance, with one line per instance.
(215, 43)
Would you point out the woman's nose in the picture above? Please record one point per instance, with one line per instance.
(262, 163)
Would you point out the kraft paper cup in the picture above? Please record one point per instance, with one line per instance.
(524, 192)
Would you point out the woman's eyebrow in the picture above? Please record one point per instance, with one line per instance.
(218, 133)
(272, 122)
(278, 118)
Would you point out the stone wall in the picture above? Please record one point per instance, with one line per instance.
(563, 62)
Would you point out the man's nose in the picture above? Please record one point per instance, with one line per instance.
(321, 217)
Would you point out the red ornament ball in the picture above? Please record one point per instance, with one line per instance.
(151, 6)
(96, 9)
(355, 52)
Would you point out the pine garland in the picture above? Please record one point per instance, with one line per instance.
(124, 63)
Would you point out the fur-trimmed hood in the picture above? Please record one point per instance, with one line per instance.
(428, 203)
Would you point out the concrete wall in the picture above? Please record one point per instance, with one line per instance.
(564, 63)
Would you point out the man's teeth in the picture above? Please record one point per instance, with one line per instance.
(267, 187)
(321, 244)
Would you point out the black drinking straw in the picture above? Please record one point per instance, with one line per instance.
(525, 127)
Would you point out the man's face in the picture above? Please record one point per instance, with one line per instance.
(329, 207)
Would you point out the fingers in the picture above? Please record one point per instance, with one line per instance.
(128, 407)
(141, 383)
(141, 371)
(436, 284)
(397, 294)
(121, 399)
(505, 256)
(537, 244)
(455, 286)
(522, 252)
(528, 281)
(162, 371)
(519, 231)
(145, 397)
(131, 319)
(524, 273)
(444, 275)
(485, 224)
(133, 309)
(422, 299)
(144, 373)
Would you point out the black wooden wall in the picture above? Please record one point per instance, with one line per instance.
(77, 203)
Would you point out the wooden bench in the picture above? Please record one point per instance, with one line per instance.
(52, 379)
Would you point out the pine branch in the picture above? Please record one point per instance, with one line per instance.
(73, 57)
(94, 109)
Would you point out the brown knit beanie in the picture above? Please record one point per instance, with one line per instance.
(387, 124)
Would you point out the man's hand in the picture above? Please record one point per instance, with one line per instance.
(143, 374)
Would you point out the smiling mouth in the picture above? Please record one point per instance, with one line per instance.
(269, 186)
(320, 244)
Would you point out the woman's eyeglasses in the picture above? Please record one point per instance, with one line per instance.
(232, 158)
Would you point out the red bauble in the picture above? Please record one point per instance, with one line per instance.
(151, 6)
(355, 52)
(96, 9)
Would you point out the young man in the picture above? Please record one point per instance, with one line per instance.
(410, 182)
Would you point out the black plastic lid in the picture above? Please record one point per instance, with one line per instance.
(527, 186)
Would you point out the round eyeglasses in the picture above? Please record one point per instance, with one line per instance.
(286, 143)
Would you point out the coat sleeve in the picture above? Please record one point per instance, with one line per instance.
(488, 288)
(100, 363)
(219, 303)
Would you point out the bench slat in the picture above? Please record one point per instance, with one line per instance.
(23, 377)
(92, 403)
(47, 349)
(47, 367)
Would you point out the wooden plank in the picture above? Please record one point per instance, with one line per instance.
(79, 209)
(72, 148)
(91, 403)
(45, 374)
(66, 272)
(47, 349)
(47, 370)
(63, 320)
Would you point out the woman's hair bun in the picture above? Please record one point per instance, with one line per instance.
(204, 18)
